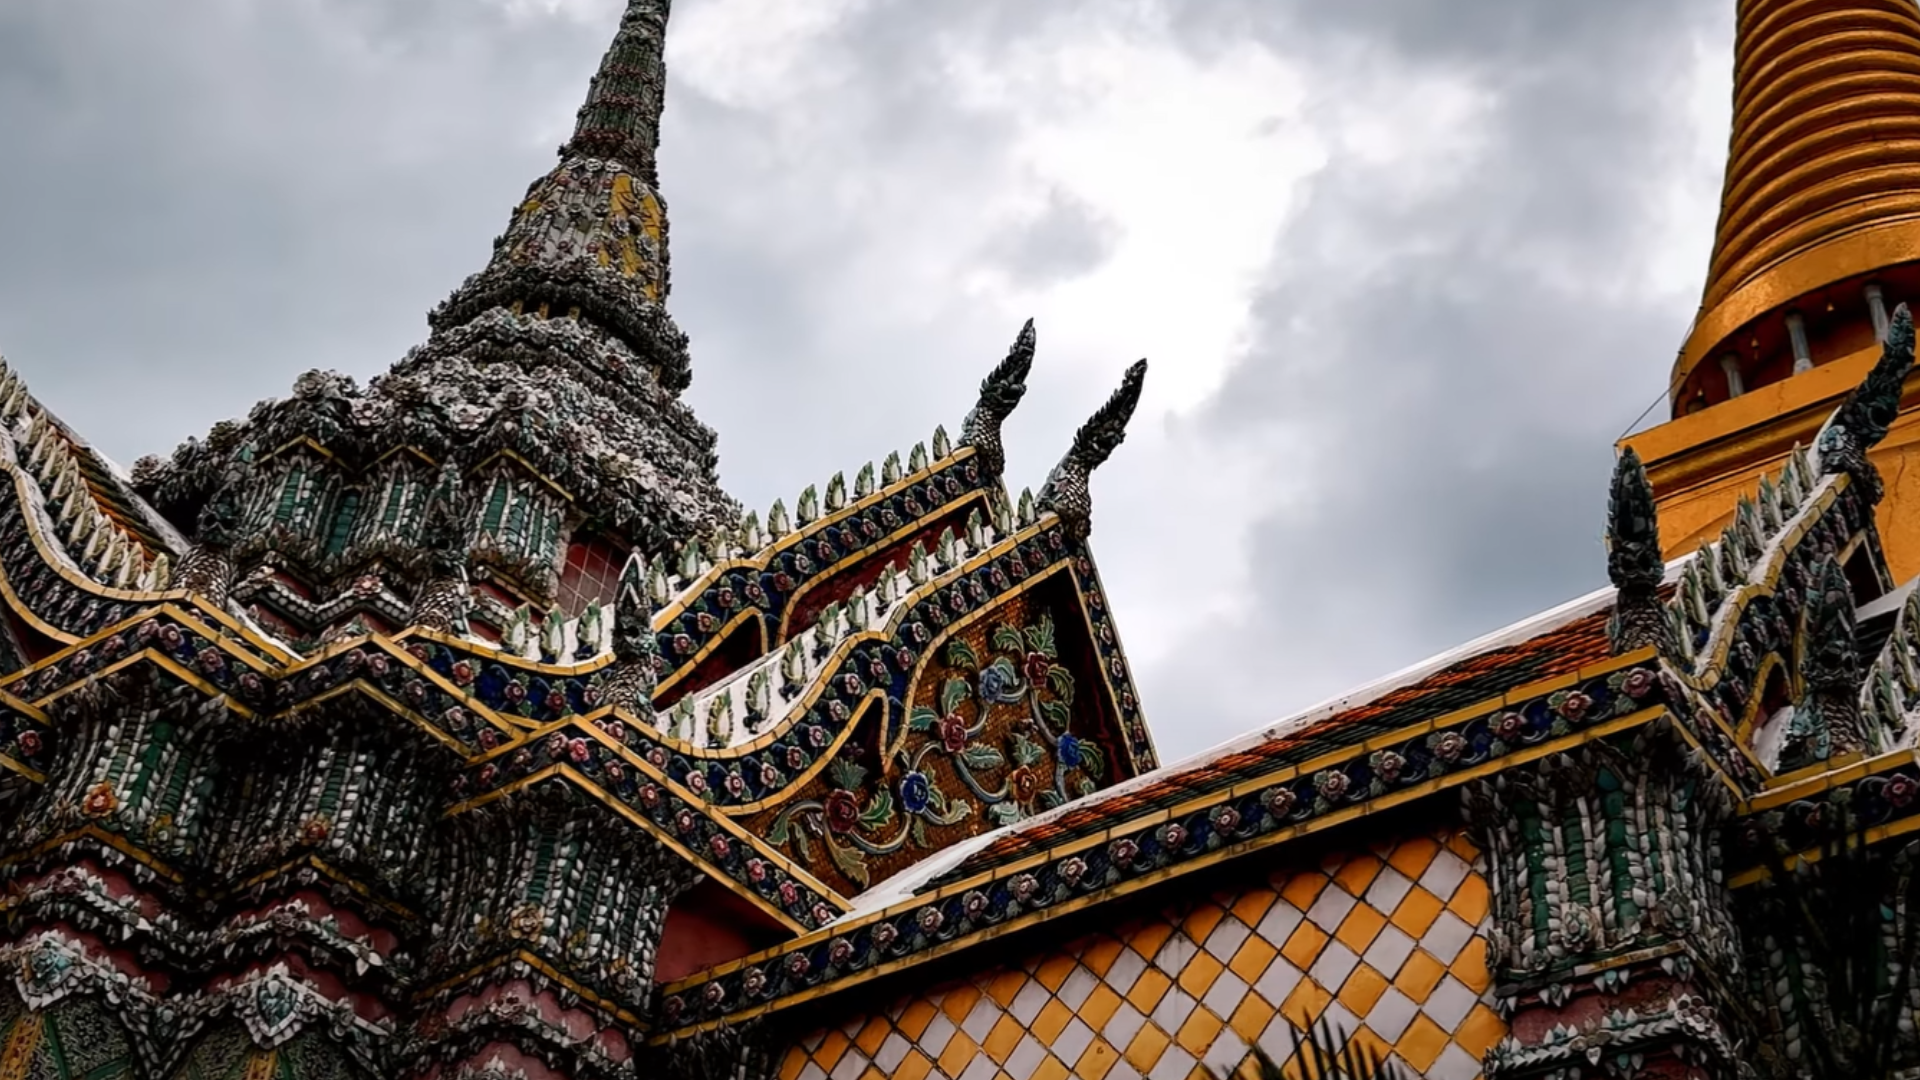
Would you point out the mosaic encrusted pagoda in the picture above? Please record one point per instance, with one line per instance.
(460, 727)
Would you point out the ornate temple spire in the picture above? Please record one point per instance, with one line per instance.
(1065, 492)
(1822, 182)
(1633, 558)
(620, 120)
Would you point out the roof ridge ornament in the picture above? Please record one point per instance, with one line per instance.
(1827, 720)
(1633, 560)
(635, 648)
(1000, 394)
(444, 597)
(208, 568)
(1065, 492)
(1862, 420)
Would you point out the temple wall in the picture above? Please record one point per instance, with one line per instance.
(1386, 944)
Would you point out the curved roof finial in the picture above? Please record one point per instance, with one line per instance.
(1065, 492)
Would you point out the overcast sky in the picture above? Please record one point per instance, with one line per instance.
(1403, 269)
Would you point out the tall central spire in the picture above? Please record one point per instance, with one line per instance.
(620, 120)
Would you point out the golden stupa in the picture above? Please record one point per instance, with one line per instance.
(1818, 239)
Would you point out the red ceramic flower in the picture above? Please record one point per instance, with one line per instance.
(1023, 784)
(953, 733)
(843, 813)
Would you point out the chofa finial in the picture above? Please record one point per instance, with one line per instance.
(1863, 418)
(444, 597)
(1065, 492)
(1634, 564)
(1826, 720)
(634, 645)
(1000, 393)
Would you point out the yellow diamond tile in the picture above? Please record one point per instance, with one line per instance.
(1251, 961)
(1416, 912)
(1357, 874)
(1100, 955)
(1305, 1004)
(1421, 1043)
(1197, 976)
(1303, 888)
(1147, 940)
(1148, 990)
(791, 1065)
(1147, 1046)
(1470, 900)
(1100, 1006)
(1362, 989)
(1098, 1060)
(1051, 1069)
(916, 1018)
(958, 1002)
(1470, 966)
(1005, 1035)
(1359, 928)
(1463, 847)
(1304, 945)
(1413, 857)
(1479, 1031)
(1201, 921)
(1054, 971)
(873, 1073)
(1053, 1019)
(1251, 1018)
(1252, 905)
(915, 1066)
(831, 1048)
(1368, 1043)
(1003, 987)
(1419, 975)
(958, 1054)
(873, 1035)
(1198, 1033)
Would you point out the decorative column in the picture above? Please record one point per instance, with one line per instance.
(1612, 944)
(1797, 334)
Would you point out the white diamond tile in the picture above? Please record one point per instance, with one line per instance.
(1389, 950)
(1175, 1064)
(1278, 980)
(813, 1071)
(1336, 962)
(1026, 1057)
(1331, 907)
(1028, 1002)
(1278, 924)
(1445, 874)
(1225, 1054)
(1388, 889)
(1122, 1070)
(1390, 1015)
(939, 1033)
(1175, 954)
(1339, 1019)
(1227, 938)
(1173, 1010)
(1123, 1025)
(892, 1052)
(1225, 995)
(1073, 1040)
(1446, 937)
(986, 1013)
(850, 1065)
(1449, 1003)
(1454, 1063)
(981, 1068)
(1125, 971)
(1279, 1039)
(1080, 983)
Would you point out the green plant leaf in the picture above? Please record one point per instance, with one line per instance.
(919, 832)
(960, 654)
(1062, 682)
(1085, 786)
(845, 774)
(777, 832)
(1006, 637)
(982, 757)
(879, 810)
(952, 693)
(1050, 799)
(922, 719)
(1026, 751)
(850, 862)
(1092, 761)
(1040, 637)
(1057, 714)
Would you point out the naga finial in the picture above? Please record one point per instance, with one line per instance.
(444, 597)
(1863, 418)
(634, 646)
(1065, 492)
(1826, 720)
(1000, 393)
(208, 567)
(1633, 559)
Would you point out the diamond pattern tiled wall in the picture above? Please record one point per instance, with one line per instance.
(1385, 944)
